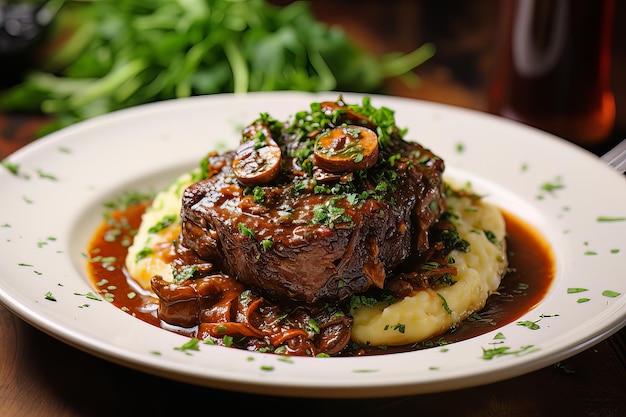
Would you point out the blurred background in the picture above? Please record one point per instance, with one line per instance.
(469, 38)
(468, 67)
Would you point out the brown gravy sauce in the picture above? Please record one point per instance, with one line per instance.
(531, 263)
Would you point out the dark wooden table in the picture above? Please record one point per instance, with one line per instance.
(41, 376)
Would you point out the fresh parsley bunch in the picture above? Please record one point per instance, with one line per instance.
(129, 52)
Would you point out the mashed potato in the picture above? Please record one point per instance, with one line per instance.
(160, 225)
(423, 314)
(430, 312)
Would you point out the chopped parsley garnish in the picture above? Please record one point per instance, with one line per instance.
(266, 244)
(328, 214)
(610, 219)
(184, 273)
(489, 354)
(245, 230)
(192, 344)
(444, 303)
(165, 222)
(143, 253)
(12, 167)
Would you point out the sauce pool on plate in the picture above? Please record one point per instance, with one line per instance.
(531, 271)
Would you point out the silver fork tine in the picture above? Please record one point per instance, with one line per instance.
(621, 166)
(616, 157)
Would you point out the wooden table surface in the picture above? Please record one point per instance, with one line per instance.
(42, 376)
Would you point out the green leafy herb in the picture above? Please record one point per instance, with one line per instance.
(128, 52)
(329, 214)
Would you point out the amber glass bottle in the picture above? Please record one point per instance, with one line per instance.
(553, 67)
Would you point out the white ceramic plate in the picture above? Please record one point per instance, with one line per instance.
(51, 207)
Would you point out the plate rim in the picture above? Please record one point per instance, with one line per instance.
(277, 386)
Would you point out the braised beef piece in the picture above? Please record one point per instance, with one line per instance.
(219, 306)
(309, 235)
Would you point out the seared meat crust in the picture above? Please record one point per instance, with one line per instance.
(310, 235)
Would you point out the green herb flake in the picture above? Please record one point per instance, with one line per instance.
(45, 175)
(551, 187)
(89, 295)
(574, 290)
(328, 214)
(610, 219)
(12, 167)
(244, 230)
(49, 296)
(610, 294)
(400, 327)
(164, 223)
(489, 354)
(313, 326)
(444, 303)
(184, 273)
(266, 244)
(192, 344)
(583, 300)
(143, 253)
(529, 324)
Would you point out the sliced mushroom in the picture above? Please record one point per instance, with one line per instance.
(347, 115)
(258, 157)
(346, 149)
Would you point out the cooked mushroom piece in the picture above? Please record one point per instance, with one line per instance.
(344, 114)
(346, 149)
(257, 162)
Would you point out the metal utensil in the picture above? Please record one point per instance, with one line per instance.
(616, 157)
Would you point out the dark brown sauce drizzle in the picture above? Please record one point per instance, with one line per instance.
(531, 264)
